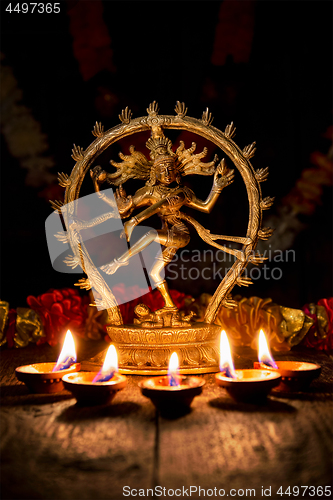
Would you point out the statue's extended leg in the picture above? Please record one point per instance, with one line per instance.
(177, 237)
(161, 262)
(138, 246)
(164, 291)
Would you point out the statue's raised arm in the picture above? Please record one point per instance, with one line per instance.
(222, 178)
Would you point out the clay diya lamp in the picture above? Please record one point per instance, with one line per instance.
(46, 378)
(97, 388)
(296, 376)
(248, 386)
(172, 394)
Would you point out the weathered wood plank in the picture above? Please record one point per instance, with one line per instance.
(53, 449)
(224, 444)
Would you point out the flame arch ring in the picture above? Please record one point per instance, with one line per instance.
(212, 134)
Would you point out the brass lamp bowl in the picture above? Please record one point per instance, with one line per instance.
(295, 375)
(89, 393)
(250, 386)
(39, 377)
(175, 400)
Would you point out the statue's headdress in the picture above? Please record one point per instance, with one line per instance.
(159, 146)
(136, 165)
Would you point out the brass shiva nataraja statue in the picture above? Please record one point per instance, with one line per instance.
(146, 345)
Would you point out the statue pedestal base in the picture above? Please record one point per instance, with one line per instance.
(147, 351)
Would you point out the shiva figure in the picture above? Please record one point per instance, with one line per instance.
(164, 195)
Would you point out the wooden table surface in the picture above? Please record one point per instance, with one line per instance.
(52, 449)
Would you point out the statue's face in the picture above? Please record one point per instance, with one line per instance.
(166, 172)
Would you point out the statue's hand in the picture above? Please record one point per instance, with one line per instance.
(223, 176)
(74, 223)
(128, 229)
(98, 175)
(124, 203)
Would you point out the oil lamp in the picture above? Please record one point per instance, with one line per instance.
(295, 375)
(248, 385)
(45, 378)
(91, 388)
(172, 394)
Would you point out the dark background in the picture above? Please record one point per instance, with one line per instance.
(267, 66)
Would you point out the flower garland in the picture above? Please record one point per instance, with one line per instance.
(234, 32)
(51, 313)
(302, 199)
(23, 133)
(308, 190)
(91, 39)
(320, 335)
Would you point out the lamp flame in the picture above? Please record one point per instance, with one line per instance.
(68, 354)
(110, 366)
(264, 354)
(173, 370)
(226, 364)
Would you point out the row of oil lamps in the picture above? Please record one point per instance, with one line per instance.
(171, 392)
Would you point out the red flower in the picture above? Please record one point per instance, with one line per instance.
(313, 339)
(60, 310)
(327, 343)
